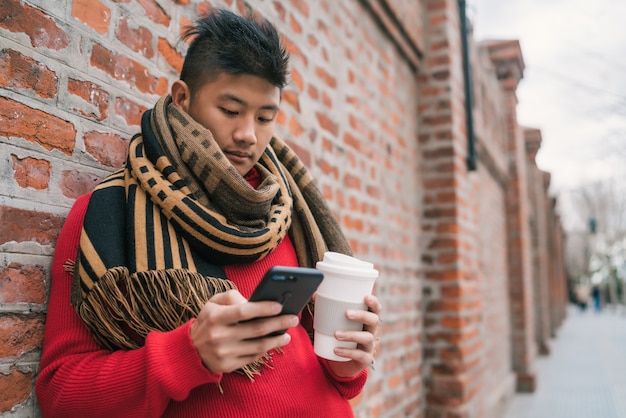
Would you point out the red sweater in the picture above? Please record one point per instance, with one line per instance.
(166, 377)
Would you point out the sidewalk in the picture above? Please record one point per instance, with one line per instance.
(585, 374)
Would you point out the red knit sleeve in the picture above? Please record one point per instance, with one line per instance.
(79, 378)
(350, 386)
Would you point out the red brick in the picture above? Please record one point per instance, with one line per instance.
(444, 152)
(242, 7)
(93, 13)
(75, 183)
(352, 182)
(447, 227)
(373, 192)
(446, 305)
(454, 322)
(109, 149)
(23, 225)
(15, 388)
(294, 25)
(31, 172)
(280, 9)
(352, 224)
(21, 121)
(328, 169)
(155, 12)
(20, 334)
(93, 94)
(123, 68)
(322, 27)
(448, 182)
(327, 124)
(302, 6)
(294, 50)
(328, 79)
(295, 129)
(312, 92)
(20, 71)
(326, 100)
(304, 154)
(291, 97)
(186, 23)
(297, 79)
(129, 110)
(41, 29)
(171, 55)
(281, 118)
(351, 141)
(445, 275)
(22, 284)
(138, 38)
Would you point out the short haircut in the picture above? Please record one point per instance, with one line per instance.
(225, 42)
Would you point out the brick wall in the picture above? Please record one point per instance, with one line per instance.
(375, 107)
(491, 195)
(72, 95)
(458, 274)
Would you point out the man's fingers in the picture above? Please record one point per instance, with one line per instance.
(230, 297)
(231, 307)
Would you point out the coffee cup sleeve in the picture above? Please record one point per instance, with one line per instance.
(330, 315)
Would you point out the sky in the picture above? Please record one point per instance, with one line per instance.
(574, 85)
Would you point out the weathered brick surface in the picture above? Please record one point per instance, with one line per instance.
(375, 107)
(28, 225)
(22, 334)
(30, 172)
(22, 121)
(93, 13)
(15, 388)
(95, 100)
(21, 72)
(41, 29)
(22, 284)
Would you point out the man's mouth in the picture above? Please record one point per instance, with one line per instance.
(237, 156)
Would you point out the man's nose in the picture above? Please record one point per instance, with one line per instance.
(244, 131)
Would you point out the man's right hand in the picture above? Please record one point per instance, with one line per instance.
(225, 337)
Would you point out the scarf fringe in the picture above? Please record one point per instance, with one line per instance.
(122, 305)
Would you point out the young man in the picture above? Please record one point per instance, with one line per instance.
(148, 313)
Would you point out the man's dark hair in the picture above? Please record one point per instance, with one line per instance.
(229, 43)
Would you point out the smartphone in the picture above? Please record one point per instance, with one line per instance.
(292, 287)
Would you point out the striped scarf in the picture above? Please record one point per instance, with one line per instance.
(157, 231)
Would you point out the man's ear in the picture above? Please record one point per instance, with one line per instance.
(181, 95)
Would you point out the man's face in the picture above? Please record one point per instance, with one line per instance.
(239, 110)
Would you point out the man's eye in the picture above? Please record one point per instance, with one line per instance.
(265, 120)
(228, 112)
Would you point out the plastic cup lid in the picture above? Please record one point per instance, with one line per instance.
(344, 264)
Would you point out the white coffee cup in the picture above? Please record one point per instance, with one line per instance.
(347, 280)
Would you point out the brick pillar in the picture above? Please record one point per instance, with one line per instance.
(507, 59)
(558, 280)
(540, 233)
(453, 367)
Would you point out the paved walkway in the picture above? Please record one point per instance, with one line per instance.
(585, 375)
